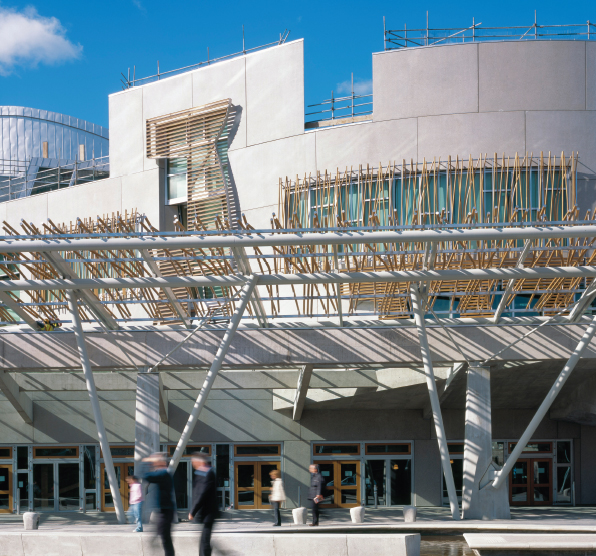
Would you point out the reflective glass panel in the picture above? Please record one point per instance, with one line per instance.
(222, 462)
(456, 448)
(387, 449)
(23, 490)
(107, 497)
(542, 494)
(90, 501)
(5, 453)
(337, 449)
(564, 484)
(349, 475)
(68, 486)
(519, 473)
(122, 451)
(375, 476)
(181, 485)
(499, 453)
(563, 452)
(457, 467)
(4, 478)
(327, 470)
(541, 472)
(519, 494)
(246, 498)
(401, 482)
(266, 468)
(246, 475)
(349, 496)
(55, 452)
(22, 457)
(4, 503)
(255, 450)
(43, 486)
(89, 470)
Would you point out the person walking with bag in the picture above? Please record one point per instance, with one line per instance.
(277, 495)
(315, 493)
(165, 502)
(204, 500)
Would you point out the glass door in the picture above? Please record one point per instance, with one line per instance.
(531, 482)
(253, 484)
(401, 481)
(541, 482)
(68, 487)
(43, 486)
(519, 483)
(342, 483)
(5, 489)
(376, 476)
(122, 470)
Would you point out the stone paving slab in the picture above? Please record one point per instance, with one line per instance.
(520, 541)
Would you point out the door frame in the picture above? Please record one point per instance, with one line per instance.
(124, 492)
(530, 484)
(9, 489)
(337, 487)
(258, 487)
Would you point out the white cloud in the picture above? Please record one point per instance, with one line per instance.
(362, 87)
(27, 38)
(139, 5)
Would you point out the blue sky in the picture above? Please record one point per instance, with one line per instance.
(67, 56)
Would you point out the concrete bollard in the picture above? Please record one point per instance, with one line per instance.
(357, 514)
(409, 514)
(300, 515)
(31, 521)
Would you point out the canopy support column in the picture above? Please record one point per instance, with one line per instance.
(434, 399)
(545, 405)
(245, 296)
(101, 430)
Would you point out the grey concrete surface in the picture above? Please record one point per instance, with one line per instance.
(490, 544)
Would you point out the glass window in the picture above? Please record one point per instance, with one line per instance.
(5, 452)
(122, 451)
(375, 477)
(499, 453)
(90, 501)
(222, 464)
(336, 449)
(456, 448)
(23, 489)
(564, 484)
(43, 486)
(401, 482)
(89, 469)
(457, 468)
(563, 451)
(176, 170)
(537, 447)
(46, 452)
(257, 450)
(181, 485)
(22, 457)
(373, 449)
(190, 450)
(68, 486)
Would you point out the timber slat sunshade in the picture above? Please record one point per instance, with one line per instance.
(197, 135)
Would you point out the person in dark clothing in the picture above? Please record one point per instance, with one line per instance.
(315, 493)
(204, 500)
(164, 499)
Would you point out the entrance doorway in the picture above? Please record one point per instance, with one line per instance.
(253, 484)
(530, 482)
(122, 470)
(342, 483)
(56, 486)
(5, 489)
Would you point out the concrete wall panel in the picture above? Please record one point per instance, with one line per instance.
(587, 490)
(532, 75)
(427, 473)
(167, 95)
(297, 456)
(425, 81)
(275, 93)
(127, 149)
(471, 134)
(367, 143)
(220, 81)
(141, 191)
(590, 76)
(256, 170)
(14, 429)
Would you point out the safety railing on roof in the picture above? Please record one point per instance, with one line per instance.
(402, 38)
(340, 110)
(25, 183)
(128, 81)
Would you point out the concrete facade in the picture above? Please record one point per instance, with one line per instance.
(469, 100)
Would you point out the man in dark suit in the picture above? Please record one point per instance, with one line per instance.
(315, 492)
(204, 500)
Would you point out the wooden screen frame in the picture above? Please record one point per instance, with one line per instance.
(337, 487)
(35, 448)
(530, 484)
(511, 446)
(124, 491)
(9, 448)
(9, 489)
(118, 457)
(237, 455)
(336, 454)
(258, 487)
(408, 453)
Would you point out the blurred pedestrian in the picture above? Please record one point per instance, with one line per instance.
(277, 495)
(165, 503)
(135, 500)
(315, 493)
(204, 500)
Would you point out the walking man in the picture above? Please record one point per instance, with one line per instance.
(165, 502)
(204, 500)
(315, 492)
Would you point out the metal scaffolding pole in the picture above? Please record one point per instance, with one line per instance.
(545, 405)
(101, 430)
(434, 399)
(245, 296)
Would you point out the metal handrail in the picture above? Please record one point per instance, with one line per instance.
(23, 184)
(127, 82)
(403, 38)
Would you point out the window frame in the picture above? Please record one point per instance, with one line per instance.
(10, 451)
(35, 448)
(408, 444)
(334, 454)
(237, 455)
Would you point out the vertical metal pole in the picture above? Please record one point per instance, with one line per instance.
(535, 26)
(545, 405)
(207, 55)
(332, 107)
(352, 94)
(473, 29)
(134, 71)
(158, 70)
(434, 400)
(101, 431)
(427, 28)
(243, 46)
(245, 294)
(384, 35)
(405, 35)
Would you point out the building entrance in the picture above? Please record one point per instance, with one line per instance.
(5, 489)
(342, 483)
(253, 484)
(122, 470)
(530, 482)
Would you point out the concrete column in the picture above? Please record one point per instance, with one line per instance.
(480, 500)
(146, 417)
